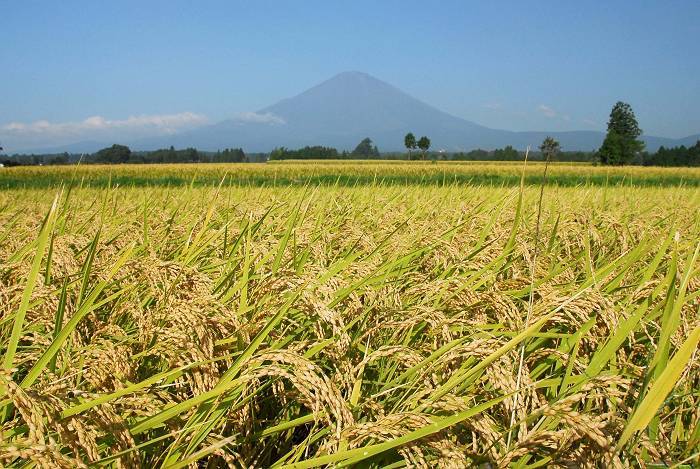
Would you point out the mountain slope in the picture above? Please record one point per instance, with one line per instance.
(354, 102)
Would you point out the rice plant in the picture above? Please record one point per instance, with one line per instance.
(378, 324)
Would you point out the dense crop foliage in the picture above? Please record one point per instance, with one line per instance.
(375, 323)
(344, 173)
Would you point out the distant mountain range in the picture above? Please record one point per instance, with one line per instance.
(350, 106)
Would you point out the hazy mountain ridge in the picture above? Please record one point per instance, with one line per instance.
(342, 110)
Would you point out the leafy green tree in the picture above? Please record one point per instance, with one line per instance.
(365, 149)
(622, 142)
(278, 154)
(115, 154)
(409, 142)
(306, 153)
(424, 145)
(229, 155)
(612, 150)
(550, 149)
(506, 154)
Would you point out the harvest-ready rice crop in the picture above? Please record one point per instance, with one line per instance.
(345, 173)
(382, 315)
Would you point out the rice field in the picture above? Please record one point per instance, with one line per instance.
(345, 173)
(331, 315)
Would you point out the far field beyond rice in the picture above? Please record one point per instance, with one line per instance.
(339, 314)
(346, 173)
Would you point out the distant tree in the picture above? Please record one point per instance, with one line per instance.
(550, 149)
(60, 159)
(277, 154)
(409, 142)
(424, 145)
(676, 156)
(508, 153)
(365, 149)
(229, 155)
(190, 155)
(473, 155)
(622, 142)
(612, 150)
(115, 154)
(306, 153)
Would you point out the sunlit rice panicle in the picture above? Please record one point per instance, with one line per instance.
(364, 314)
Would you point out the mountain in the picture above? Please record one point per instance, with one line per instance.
(350, 106)
(343, 110)
(339, 112)
(354, 105)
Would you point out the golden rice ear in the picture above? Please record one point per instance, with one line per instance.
(407, 321)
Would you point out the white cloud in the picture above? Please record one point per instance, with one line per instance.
(154, 124)
(258, 118)
(550, 113)
(547, 111)
(492, 106)
(18, 136)
(590, 122)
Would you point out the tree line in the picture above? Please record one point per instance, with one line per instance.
(621, 146)
(676, 156)
(364, 150)
(121, 154)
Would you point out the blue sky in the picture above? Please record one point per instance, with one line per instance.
(70, 68)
